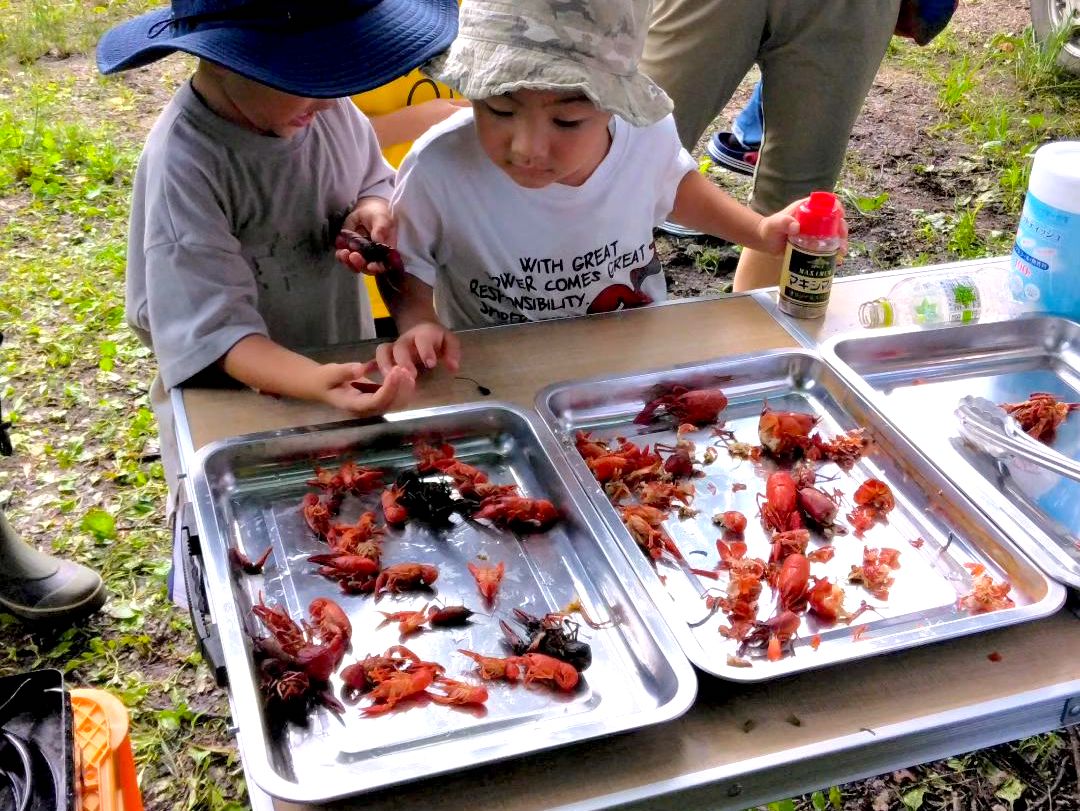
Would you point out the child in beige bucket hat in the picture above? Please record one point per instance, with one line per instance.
(539, 201)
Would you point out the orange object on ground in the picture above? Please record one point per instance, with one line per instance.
(105, 778)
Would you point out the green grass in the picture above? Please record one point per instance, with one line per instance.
(73, 378)
(85, 482)
(30, 29)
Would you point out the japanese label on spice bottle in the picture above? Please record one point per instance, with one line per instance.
(806, 282)
(806, 275)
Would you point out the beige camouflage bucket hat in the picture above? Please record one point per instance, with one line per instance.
(593, 46)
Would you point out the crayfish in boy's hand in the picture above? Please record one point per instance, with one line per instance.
(682, 405)
(553, 634)
(372, 251)
(1040, 415)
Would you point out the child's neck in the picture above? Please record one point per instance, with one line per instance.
(213, 95)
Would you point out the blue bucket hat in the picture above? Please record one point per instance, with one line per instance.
(310, 48)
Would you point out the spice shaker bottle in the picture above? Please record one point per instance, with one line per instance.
(810, 261)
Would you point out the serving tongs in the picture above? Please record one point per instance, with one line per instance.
(991, 430)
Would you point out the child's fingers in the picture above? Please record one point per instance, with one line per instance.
(403, 353)
(384, 357)
(381, 227)
(451, 351)
(396, 389)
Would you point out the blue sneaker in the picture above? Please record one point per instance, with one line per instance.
(725, 149)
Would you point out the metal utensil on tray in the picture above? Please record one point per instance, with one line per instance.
(992, 430)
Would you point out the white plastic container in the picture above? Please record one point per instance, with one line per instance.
(1045, 274)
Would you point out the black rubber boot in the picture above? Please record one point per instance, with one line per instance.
(39, 588)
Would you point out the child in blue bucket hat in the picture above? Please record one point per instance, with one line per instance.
(246, 180)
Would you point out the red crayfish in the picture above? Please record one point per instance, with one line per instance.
(793, 582)
(986, 595)
(773, 637)
(529, 668)
(349, 478)
(518, 513)
(458, 692)
(1040, 415)
(785, 434)
(318, 513)
(682, 405)
(875, 574)
(780, 511)
(488, 579)
(405, 577)
(296, 661)
(646, 527)
(873, 501)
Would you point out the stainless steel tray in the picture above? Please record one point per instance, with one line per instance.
(917, 379)
(922, 604)
(247, 491)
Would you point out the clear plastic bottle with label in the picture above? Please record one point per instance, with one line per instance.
(965, 298)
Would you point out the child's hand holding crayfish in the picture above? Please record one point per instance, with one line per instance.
(367, 239)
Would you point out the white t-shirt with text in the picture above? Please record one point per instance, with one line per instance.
(498, 253)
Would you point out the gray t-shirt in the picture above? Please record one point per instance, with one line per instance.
(232, 234)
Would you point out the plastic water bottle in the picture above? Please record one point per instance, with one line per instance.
(810, 262)
(924, 301)
(1046, 256)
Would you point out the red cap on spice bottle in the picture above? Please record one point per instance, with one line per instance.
(819, 215)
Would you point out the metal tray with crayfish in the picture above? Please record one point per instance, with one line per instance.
(918, 378)
(944, 542)
(247, 494)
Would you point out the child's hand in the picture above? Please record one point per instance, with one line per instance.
(371, 218)
(775, 229)
(346, 386)
(433, 111)
(424, 345)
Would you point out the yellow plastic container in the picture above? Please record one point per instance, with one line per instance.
(105, 778)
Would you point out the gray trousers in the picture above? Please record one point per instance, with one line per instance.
(818, 59)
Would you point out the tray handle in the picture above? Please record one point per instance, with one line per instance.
(206, 635)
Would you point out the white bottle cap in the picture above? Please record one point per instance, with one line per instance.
(1055, 176)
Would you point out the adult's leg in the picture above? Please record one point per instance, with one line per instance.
(699, 51)
(817, 65)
